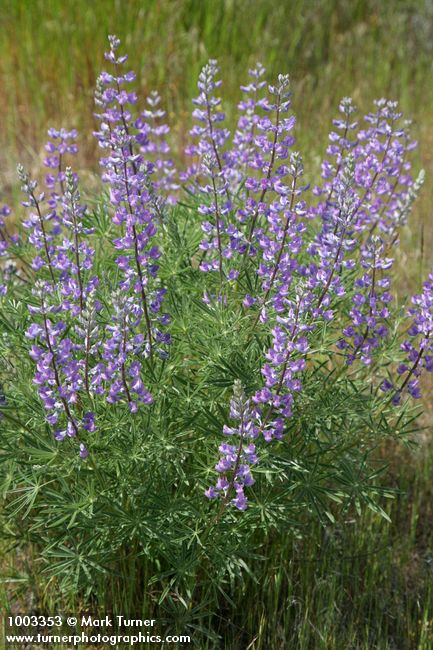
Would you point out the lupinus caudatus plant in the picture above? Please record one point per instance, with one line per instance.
(148, 340)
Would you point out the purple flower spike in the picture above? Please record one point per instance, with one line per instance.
(418, 348)
(4, 237)
(236, 460)
(370, 311)
(43, 224)
(133, 194)
(151, 137)
(120, 372)
(245, 153)
(210, 137)
(61, 143)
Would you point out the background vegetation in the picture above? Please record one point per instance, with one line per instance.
(357, 584)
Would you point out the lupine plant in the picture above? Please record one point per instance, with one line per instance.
(198, 358)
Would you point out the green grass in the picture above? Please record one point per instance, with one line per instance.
(364, 584)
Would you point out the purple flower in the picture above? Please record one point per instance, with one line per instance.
(84, 452)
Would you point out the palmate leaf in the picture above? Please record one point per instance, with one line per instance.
(22, 499)
(75, 565)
